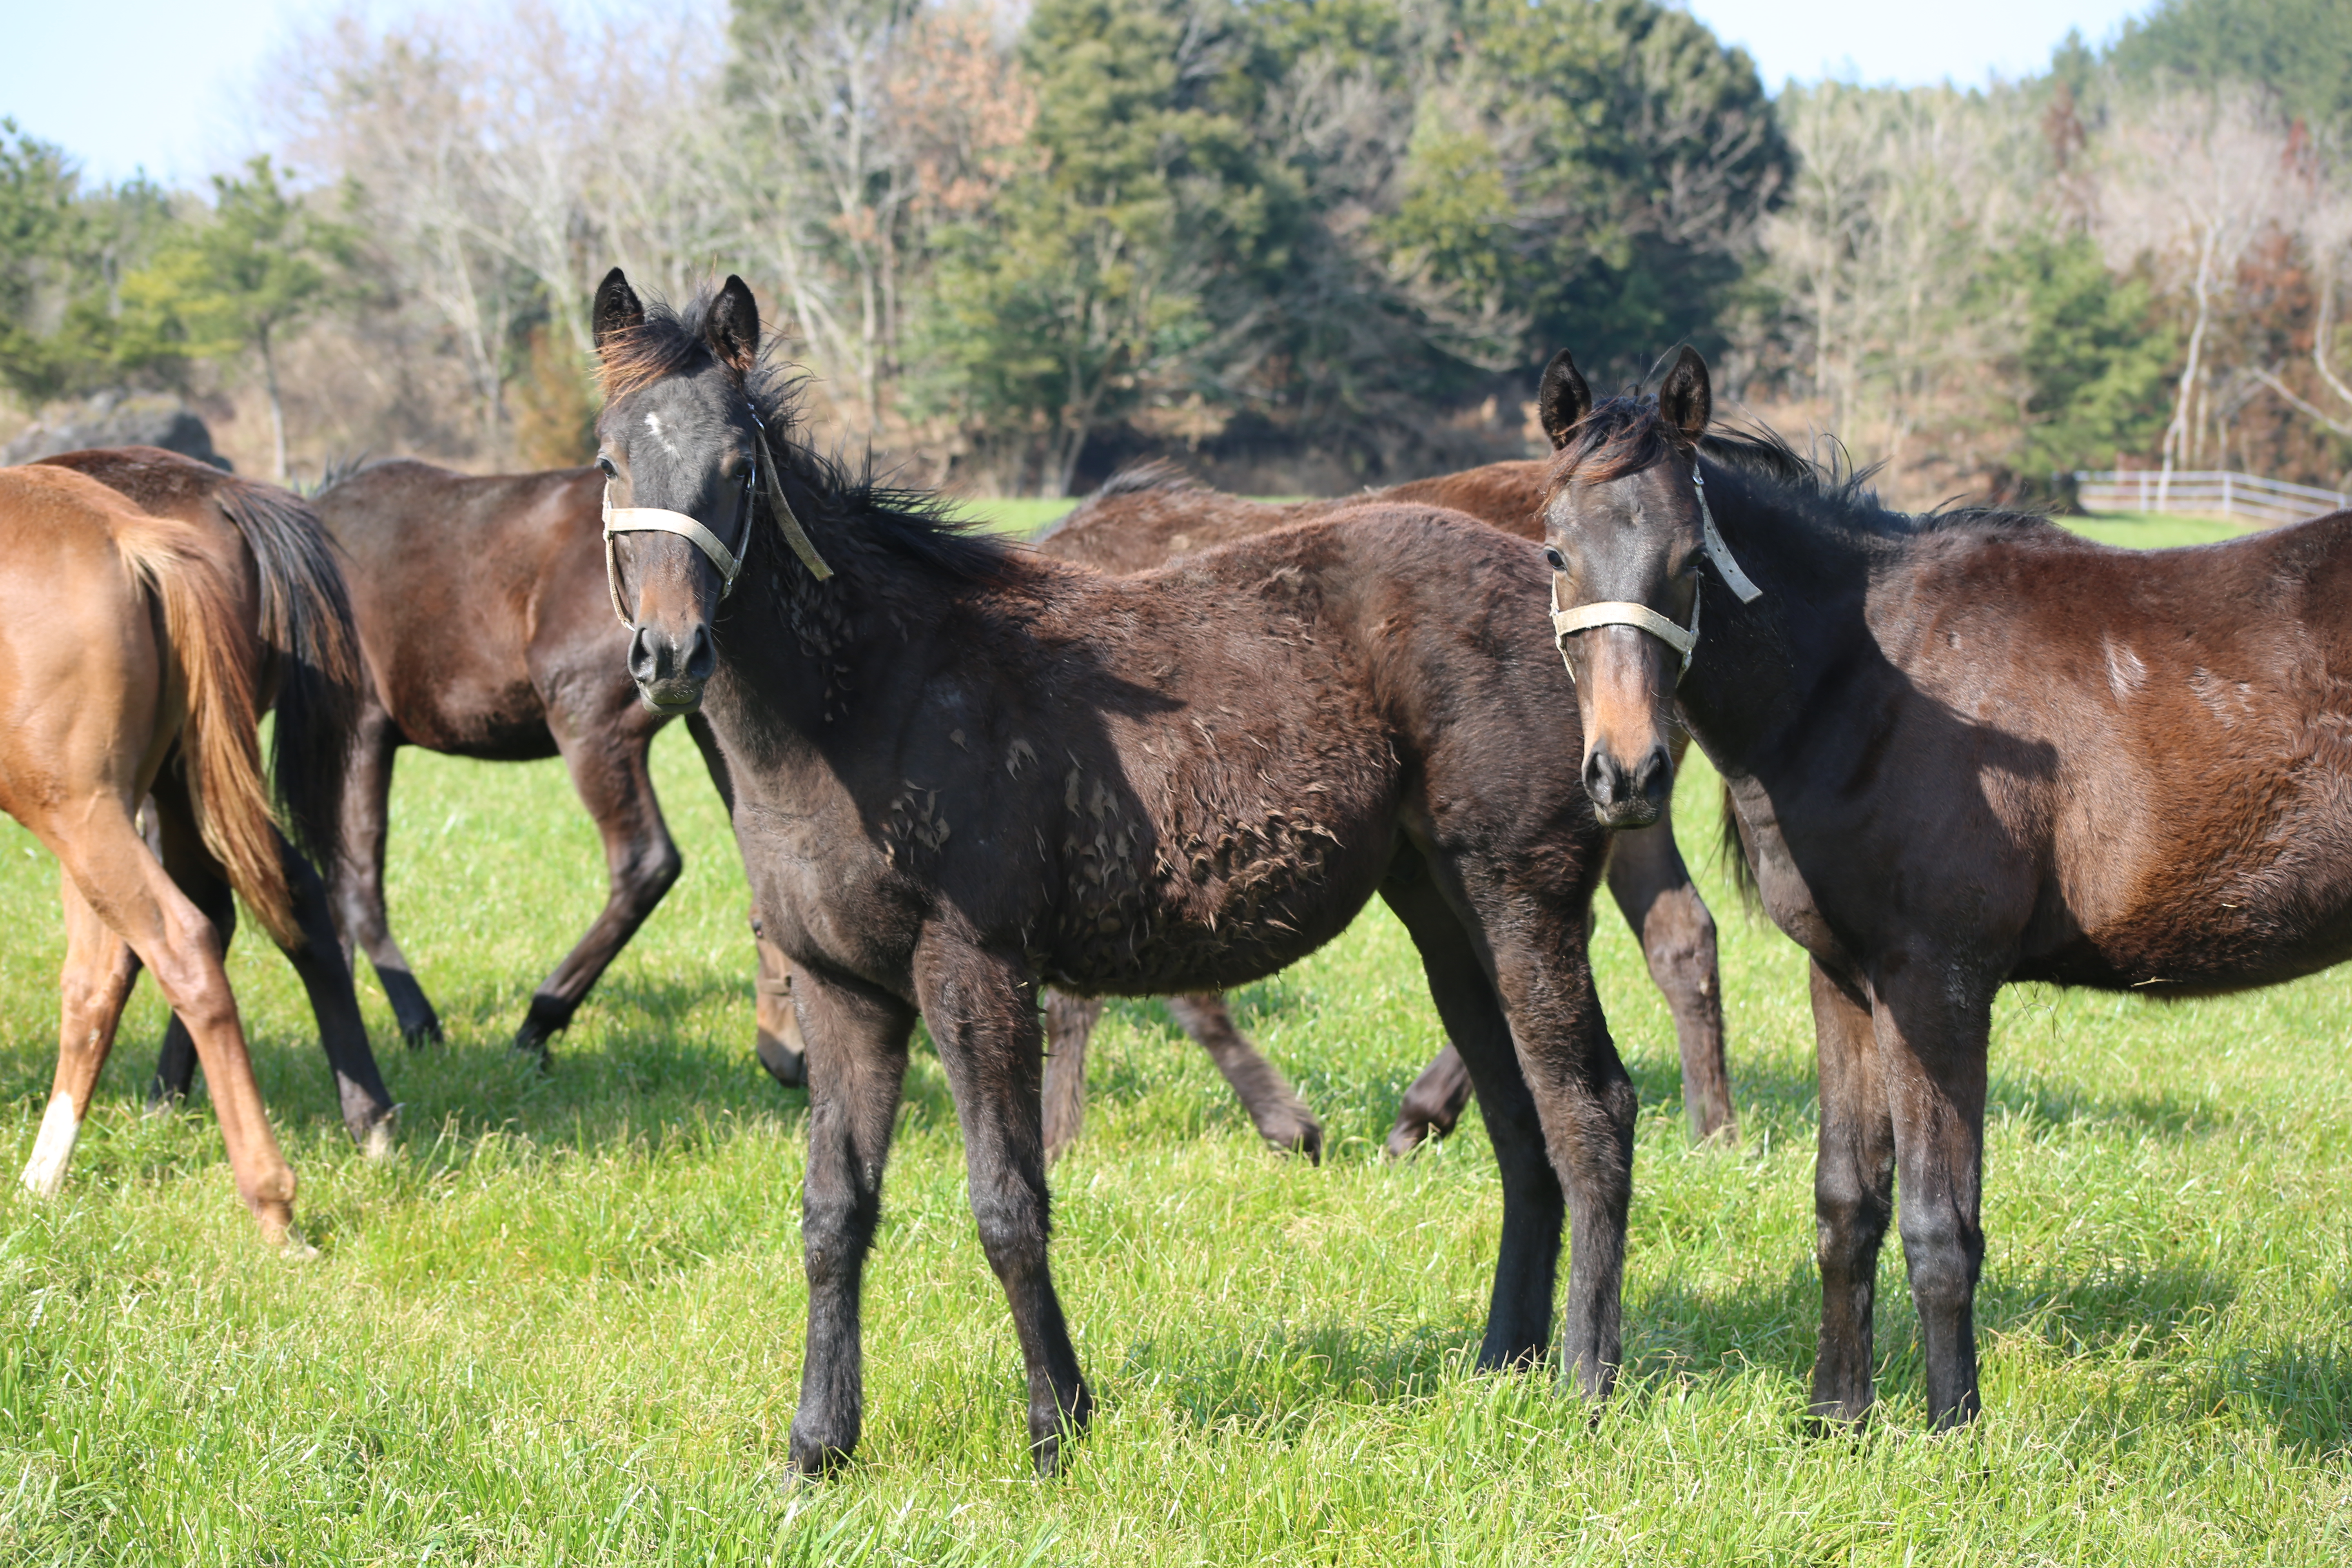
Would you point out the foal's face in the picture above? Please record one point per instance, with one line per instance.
(1630, 539)
(684, 443)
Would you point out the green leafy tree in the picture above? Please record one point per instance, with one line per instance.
(1116, 275)
(1599, 166)
(63, 253)
(238, 284)
(2097, 358)
(2299, 50)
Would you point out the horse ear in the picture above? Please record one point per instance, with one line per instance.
(731, 327)
(1562, 399)
(1685, 399)
(617, 310)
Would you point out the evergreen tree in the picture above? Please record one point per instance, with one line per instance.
(238, 284)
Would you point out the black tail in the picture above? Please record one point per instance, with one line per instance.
(313, 658)
(1733, 848)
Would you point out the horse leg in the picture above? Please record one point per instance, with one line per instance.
(355, 882)
(99, 969)
(1069, 1026)
(776, 1025)
(1432, 1103)
(326, 975)
(1281, 1118)
(609, 770)
(1526, 1267)
(1854, 1194)
(856, 1061)
(1931, 1053)
(777, 1042)
(1653, 889)
(983, 1020)
(366, 1104)
(1587, 1104)
(115, 874)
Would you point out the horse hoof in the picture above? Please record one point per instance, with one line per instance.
(1301, 1136)
(426, 1034)
(785, 1065)
(292, 1248)
(1404, 1138)
(376, 1142)
(532, 1040)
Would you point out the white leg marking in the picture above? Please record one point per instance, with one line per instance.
(45, 1173)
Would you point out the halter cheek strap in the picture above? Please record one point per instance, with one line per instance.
(1565, 624)
(655, 519)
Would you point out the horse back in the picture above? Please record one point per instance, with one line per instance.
(2167, 733)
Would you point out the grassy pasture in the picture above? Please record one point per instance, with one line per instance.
(561, 1324)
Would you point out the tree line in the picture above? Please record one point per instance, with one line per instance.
(1339, 234)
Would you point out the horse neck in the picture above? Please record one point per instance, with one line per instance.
(1759, 665)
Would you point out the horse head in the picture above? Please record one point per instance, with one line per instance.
(1625, 526)
(682, 450)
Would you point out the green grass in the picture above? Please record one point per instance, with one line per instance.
(1021, 515)
(2154, 530)
(561, 1324)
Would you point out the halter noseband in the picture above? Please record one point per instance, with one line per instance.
(1619, 613)
(655, 519)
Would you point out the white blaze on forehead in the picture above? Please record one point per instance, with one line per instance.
(652, 424)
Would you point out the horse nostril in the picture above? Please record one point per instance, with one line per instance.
(641, 655)
(1601, 778)
(701, 655)
(1655, 781)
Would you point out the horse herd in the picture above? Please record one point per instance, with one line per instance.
(1175, 744)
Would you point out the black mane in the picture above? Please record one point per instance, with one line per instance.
(1625, 434)
(853, 508)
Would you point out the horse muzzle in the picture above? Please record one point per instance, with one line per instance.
(671, 675)
(1625, 797)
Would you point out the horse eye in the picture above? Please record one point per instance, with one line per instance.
(1558, 562)
(605, 463)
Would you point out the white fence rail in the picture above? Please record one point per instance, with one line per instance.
(2215, 493)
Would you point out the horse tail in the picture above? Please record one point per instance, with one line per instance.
(312, 647)
(219, 752)
(1733, 848)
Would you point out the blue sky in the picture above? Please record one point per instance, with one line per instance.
(160, 84)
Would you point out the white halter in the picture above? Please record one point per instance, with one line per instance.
(655, 519)
(1619, 613)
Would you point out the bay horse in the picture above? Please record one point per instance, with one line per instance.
(292, 600)
(1960, 750)
(963, 772)
(512, 557)
(126, 672)
(1149, 514)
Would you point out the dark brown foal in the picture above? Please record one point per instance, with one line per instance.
(1147, 516)
(1962, 749)
(963, 772)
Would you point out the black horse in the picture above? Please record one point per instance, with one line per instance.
(1962, 749)
(961, 771)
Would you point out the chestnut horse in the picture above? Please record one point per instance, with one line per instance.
(1961, 749)
(514, 558)
(961, 771)
(1148, 515)
(292, 601)
(126, 670)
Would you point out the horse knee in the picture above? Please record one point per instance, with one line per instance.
(1013, 1231)
(835, 1234)
(1678, 940)
(651, 871)
(1942, 1257)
